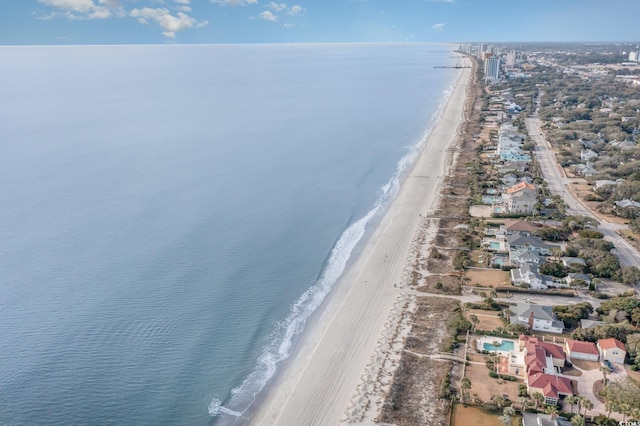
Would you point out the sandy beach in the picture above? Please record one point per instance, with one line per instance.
(344, 357)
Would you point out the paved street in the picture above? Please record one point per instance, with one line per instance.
(558, 184)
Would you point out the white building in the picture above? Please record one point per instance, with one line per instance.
(492, 69)
(536, 317)
(511, 58)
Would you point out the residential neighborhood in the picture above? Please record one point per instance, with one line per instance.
(553, 333)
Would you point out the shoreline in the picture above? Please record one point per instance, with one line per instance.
(343, 349)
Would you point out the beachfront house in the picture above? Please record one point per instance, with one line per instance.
(577, 349)
(541, 356)
(612, 350)
(536, 317)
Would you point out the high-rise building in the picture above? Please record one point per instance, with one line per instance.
(511, 58)
(492, 69)
(480, 50)
(634, 56)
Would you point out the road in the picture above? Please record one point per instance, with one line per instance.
(558, 183)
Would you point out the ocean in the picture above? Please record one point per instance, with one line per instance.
(172, 215)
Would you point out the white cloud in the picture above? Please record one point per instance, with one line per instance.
(276, 6)
(441, 1)
(268, 16)
(234, 2)
(111, 3)
(99, 12)
(80, 6)
(438, 27)
(82, 9)
(169, 23)
(287, 25)
(183, 8)
(295, 10)
(182, 1)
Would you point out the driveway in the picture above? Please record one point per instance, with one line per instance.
(588, 378)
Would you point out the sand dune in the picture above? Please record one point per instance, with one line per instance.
(338, 352)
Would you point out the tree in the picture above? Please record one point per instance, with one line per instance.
(507, 416)
(577, 420)
(499, 400)
(604, 371)
(474, 319)
(524, 403)
(538, 400)
(587, 404)
(630, 275)
(571, 400)
(551, 409)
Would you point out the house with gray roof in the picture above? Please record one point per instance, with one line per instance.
(524, 242)
(587, 323)
(529, 275)
(573, 261)
(578, 279)
(627, 203)
(536, 317)
(522, 257)
(539, 419)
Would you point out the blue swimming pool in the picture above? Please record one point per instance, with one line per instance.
(505, 346)
(494, 245)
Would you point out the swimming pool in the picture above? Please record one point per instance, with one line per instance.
(505, 346)
(494, 245)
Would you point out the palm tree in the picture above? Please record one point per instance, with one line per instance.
(577, 420)
(571, 400)
(586, 403)
(604, 371)
(507, 416)
(551, 409)
(538, 399)
(524, 403)
(507, 314)
(499, 400)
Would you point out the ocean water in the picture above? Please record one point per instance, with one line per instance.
(172, 215)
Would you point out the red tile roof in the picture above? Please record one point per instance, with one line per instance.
(555, 351)
(582, 347)
(552, 386)
(611, 343)
(535, 360)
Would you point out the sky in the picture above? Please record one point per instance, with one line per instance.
(35, 22)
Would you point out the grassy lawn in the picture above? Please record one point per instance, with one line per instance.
(473, 416)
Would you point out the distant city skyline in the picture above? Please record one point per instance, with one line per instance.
(304, 21)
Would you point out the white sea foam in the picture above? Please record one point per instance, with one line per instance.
(243, 396)
(216, 408)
